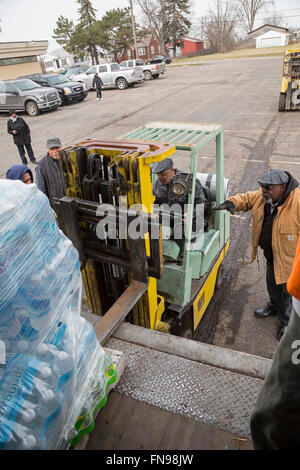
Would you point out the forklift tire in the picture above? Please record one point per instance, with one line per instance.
(281, 104)
(219, 277)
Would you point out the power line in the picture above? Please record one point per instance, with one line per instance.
(291, 16)
(228, 21)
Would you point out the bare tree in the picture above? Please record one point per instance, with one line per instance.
(218, 27)
(274, 20)
(155, 18)
(249, 9)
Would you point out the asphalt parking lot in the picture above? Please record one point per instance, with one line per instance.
(240, 94)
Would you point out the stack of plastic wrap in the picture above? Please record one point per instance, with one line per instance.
(54, 374)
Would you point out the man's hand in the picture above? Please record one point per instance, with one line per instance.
(226, 205)
(14, 131)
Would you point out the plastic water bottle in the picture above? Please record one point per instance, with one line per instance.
(63, 363)
(9, 322)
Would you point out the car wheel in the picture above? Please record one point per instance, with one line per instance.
(32, 108)
(156, 76)
(121, 83)
(147, 75)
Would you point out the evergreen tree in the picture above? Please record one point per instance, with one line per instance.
(116, 30)
(87, 19)
(87, 13)
(177, 21)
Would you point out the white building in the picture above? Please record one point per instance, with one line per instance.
(59, 59)
(270, 36)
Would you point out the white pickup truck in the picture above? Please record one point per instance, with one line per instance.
(150, 71)
(111, 75)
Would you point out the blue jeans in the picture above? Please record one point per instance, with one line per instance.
(22, 152)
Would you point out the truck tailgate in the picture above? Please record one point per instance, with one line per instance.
(213, 388)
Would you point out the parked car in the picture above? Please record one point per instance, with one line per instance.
(157, 59)
(68, 91)
(112, 75)
(27, 95)
(150, 70)
(73, 70)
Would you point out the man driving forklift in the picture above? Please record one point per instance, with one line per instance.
(165, 192)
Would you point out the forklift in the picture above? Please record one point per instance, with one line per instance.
(289, 98)
(147, 280)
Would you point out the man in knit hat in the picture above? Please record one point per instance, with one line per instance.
(275, 208)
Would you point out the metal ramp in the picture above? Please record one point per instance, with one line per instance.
(204, 383)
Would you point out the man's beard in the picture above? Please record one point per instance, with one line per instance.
(267, 199)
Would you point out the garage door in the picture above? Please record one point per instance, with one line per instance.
(271, 42)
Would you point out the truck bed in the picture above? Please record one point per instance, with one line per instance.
(178, 394)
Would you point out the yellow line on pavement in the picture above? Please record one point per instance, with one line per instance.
(288, 163)
(261, 132)
(254, 161)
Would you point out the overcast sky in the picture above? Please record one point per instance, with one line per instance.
(26, 20)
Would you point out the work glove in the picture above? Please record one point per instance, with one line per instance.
(226, 205)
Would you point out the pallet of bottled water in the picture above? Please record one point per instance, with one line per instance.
(53, 373)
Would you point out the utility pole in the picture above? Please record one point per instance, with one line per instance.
(133, 30)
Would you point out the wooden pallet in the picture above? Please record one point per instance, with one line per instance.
(119, 362)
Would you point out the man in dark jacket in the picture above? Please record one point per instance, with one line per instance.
(20, 172)
(17, 127)
(49, 174)
(166, 175)
(97, 83)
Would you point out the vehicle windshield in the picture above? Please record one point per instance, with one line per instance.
(75, 70)
(56, 79)
(114, 67)
(25, 85)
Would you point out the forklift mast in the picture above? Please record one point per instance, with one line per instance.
(109, 182)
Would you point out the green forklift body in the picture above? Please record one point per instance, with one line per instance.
(176, 281)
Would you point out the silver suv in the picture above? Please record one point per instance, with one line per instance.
(26, 95)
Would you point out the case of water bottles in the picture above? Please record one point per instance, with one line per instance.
(53, 373)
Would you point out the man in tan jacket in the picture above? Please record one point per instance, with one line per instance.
(275, 208)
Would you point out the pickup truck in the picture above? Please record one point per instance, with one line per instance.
(26, 95)
(111, 75)
(150, 70)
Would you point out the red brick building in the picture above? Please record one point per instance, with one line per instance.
(147, 48)
(191, 47)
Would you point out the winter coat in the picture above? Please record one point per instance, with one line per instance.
(23, 132)
(50, 178)
(17, 172)
(285, 228)
(97, 83)
(293, 285)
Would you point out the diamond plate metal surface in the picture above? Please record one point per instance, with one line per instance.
(213, 396)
